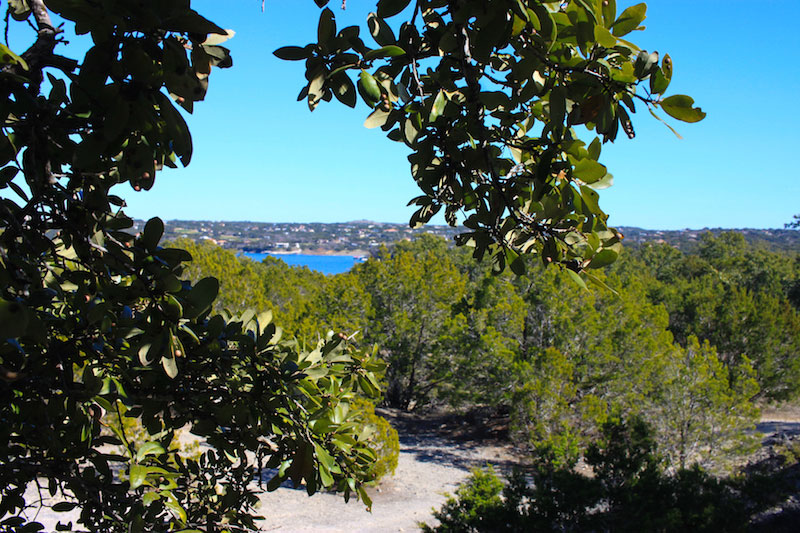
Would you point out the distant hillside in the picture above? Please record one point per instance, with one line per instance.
(686, 240)
(362, 236)
(357, 237)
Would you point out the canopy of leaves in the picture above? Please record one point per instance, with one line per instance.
(489, 95)
(94, 316)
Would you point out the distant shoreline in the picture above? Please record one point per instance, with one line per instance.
(353, 253)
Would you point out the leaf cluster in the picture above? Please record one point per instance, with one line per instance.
(95, 315)
(488, 95)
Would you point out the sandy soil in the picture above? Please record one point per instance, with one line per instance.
(436, 454)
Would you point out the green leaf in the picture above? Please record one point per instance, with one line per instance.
(659, 80)
(384, 51)
(62, 507)
(588, 170)
(153, 231)
(326, 29)
(558, 106)
(410, 132)
(149, 448)
(176, 509)
(150, 497)
(609, 12)
(365, 497)
(603, 258)
(7, 57)
(201, 297)
(514, 261)
(376, 119)
(594, 148)
(629, 20)
(390, 8)
(438, 106)
(576, 278)
(170, 366)
(370, 85)
(216, 39)
(679, 106)
(493, 99)
(678, 135)
(315, 92)
(172, 307)
(19, 9)
(137, 475)
(345, 91)
(321, 3)
(380, 31)
(604, 37)
(292, 53)
(594, 280)
(591, 199)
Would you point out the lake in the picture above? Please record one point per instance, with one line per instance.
(327, 264)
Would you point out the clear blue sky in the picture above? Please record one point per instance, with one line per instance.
(261, 155)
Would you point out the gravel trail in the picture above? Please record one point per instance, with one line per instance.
(436, 454)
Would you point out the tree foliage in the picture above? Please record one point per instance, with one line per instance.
(488, 95)
(93, 315)
(559, 359)
(628, 490)
(741, 299)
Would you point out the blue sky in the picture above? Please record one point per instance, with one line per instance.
(261, 155)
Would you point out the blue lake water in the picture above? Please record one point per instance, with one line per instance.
(327, 264)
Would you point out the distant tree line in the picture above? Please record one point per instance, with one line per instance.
(692, 343)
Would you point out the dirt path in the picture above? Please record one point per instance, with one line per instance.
(436, 454)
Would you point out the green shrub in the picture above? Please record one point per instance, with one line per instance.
(477, 506)
(384, 439)
(630, 490)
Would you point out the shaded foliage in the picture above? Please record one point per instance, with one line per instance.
(628, 490)
(94, 316)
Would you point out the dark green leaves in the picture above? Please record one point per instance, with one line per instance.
(679, 106)
(343, 89)
(390, 8)
(326, 29)
(201, 297)
(153, 230)
(660, 78)
(14, 318)
(380, 31)
(292, 53)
